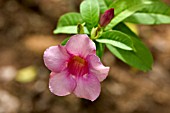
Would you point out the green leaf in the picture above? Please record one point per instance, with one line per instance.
(124, 9)
(121, 5)
(99, 49)
(68, 23)
(70, 19)
(89, 10)
(141, 58)
(123, 28)
(108, 2)
(69, 30)
(104, 4)
(65, 41)
(157, 13)
(80, 28)
(117, 39)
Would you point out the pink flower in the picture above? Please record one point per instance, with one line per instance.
(106, 17)
(75, 68)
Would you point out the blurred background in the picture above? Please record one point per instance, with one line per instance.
(26, 28)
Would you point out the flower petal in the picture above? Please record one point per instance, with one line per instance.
(55, 58)
(81, 45)
(96, 68)
(61, 84)
(88, 87)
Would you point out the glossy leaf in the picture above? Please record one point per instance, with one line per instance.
(157, 13)
(89, 10)
(100, 49)
(65, 41)
(133, 27)
(141, 58)
(69, 30)
(117, 39)
(68, 23)
(125, 29)
(108, 2)
(124, 9)
(70, 19)
(104, 4)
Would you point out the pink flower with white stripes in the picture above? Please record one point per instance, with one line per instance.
(75, 68)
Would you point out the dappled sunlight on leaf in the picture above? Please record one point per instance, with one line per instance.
(133, 27)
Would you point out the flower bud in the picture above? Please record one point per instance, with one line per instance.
(96, 32)
(106, 17)
(80, 28)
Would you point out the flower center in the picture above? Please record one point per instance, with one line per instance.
(77, 66)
